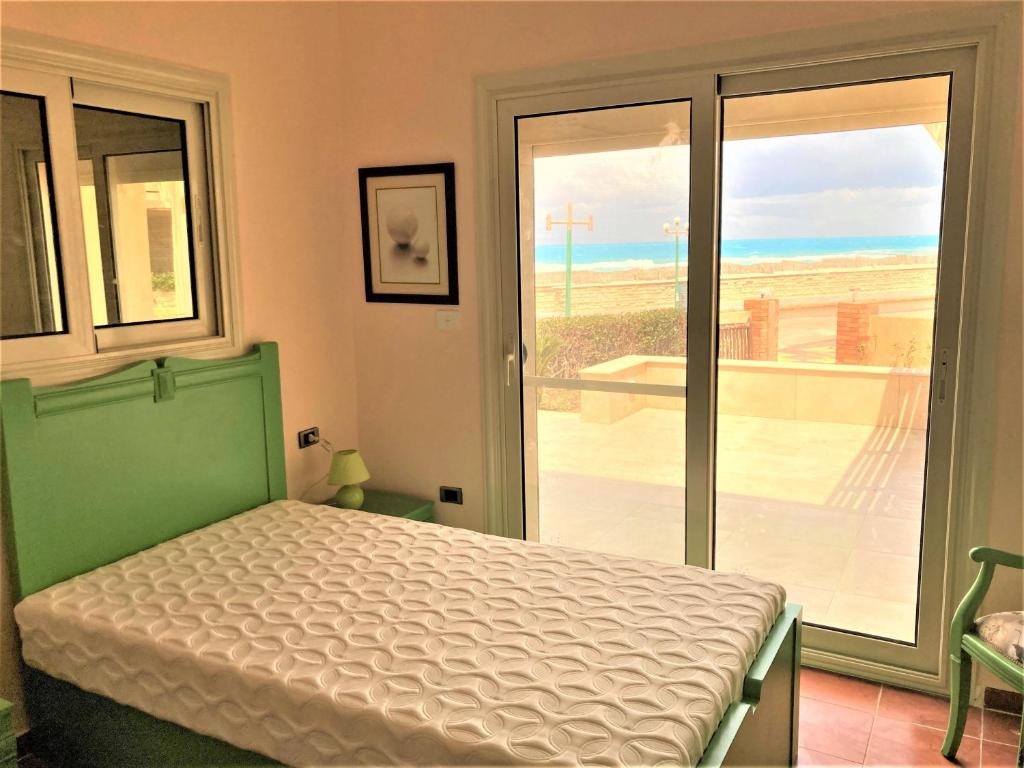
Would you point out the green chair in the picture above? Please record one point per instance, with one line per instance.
(966, 645)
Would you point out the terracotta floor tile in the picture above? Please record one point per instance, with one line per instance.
(999, 726)
(838, 689)
(995, 755)
(922, 709)
(834, 730)
(808, 757)
(899, 743)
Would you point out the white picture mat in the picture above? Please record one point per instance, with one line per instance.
(394, 270)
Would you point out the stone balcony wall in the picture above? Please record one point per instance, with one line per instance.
(842, 394)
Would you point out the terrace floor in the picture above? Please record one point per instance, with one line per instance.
(830, 511)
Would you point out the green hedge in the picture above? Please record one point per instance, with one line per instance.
(565, 345)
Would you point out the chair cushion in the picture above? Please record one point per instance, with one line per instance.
(1004, 632)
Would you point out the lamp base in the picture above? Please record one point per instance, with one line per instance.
(349, 497)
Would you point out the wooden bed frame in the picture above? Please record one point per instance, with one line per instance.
(165, 447)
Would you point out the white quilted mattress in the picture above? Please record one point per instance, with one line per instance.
(320, 636)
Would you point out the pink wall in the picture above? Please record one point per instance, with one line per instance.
(321, 89)
(413, 102)
(419, 406)
(278, 56)
(1006, 522)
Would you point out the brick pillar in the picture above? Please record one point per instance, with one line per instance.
(764, 328)
(853, 330)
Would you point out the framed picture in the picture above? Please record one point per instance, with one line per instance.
(409, 249)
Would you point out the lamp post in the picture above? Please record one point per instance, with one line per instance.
(677, 229)
(569, 223)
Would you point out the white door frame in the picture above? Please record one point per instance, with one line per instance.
(991, 32)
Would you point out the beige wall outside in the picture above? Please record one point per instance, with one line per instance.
(839, 394)
(323, 89)
(900, 339)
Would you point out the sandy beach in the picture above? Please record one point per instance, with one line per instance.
(794, 283)
(582, 276)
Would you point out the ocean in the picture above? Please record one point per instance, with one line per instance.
(614, 257)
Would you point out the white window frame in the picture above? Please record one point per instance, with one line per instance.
(91, 94)
(29, 351)
(46, 66)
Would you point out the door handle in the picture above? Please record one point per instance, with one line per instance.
(510, 362)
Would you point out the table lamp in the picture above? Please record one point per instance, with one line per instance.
(348, 470)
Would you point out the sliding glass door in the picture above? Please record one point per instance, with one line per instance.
(731, 320)
(604, 217)
(831, 218)
(843, 206)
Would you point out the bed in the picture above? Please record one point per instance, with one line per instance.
(177, 610)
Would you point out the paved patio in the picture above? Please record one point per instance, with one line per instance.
(831, 511)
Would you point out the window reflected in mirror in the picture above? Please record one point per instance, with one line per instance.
(31, 289)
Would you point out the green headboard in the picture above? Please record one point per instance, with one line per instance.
(100, 469)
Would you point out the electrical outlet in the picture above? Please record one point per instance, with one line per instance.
(308, 437)
(451, 495)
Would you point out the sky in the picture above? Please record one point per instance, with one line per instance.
(883, 181)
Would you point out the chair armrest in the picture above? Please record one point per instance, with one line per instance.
(997, 557)
(963, 618)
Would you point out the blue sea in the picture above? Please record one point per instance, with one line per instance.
(612, 257)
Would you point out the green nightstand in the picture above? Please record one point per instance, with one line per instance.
(397, 505)
(8, 744)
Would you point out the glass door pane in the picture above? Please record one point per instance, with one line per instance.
(830, 224)
(603, 220)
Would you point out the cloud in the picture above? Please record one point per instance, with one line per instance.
(630, 193)
(884, 181)
(834, 212)
(904, 156)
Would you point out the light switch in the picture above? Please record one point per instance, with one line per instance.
(448, 319)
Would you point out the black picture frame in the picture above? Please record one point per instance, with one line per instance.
(371, 233)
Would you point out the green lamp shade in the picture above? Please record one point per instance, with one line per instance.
(348, 470)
